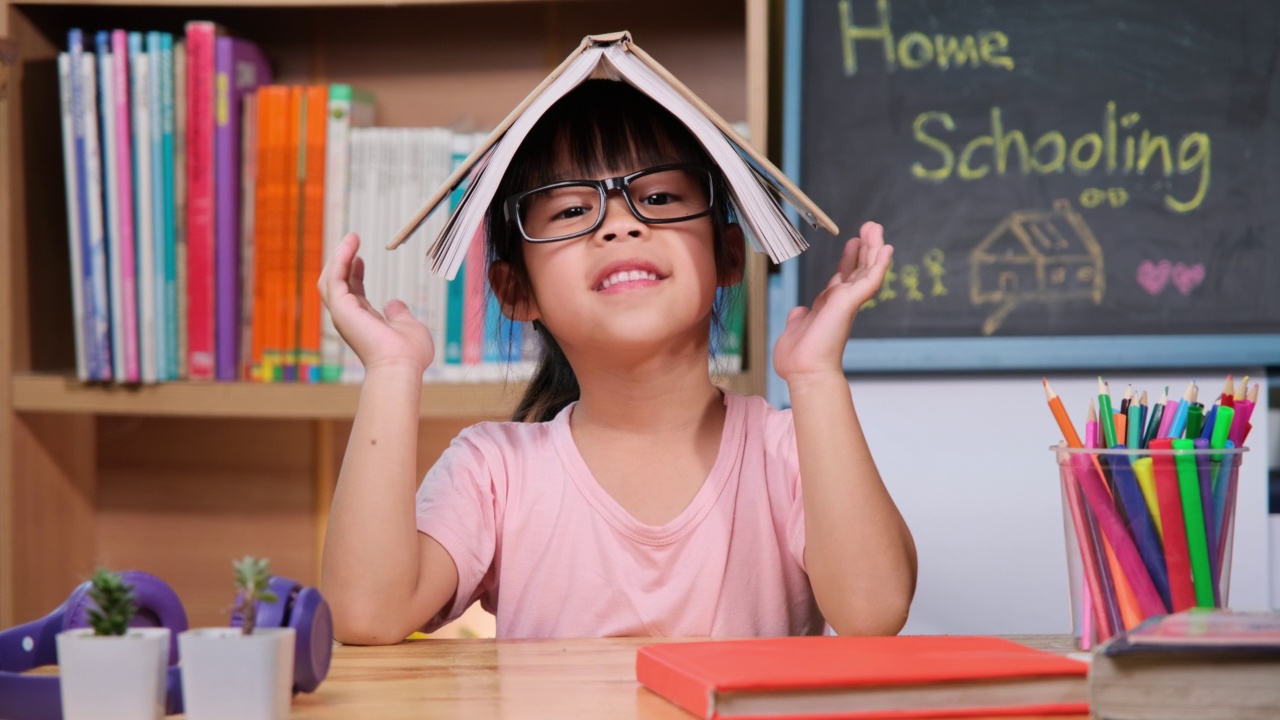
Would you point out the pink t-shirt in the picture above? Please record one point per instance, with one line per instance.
(542, 546)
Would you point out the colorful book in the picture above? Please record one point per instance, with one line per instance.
(269, 220)
(456, 291)
(124, 205)
(73, 214)
(140, 94)
(311, 163)
(180, 196)
(756, 188)
(162, 219)
(111, 206)
(863, 677)
(239, 68)
(248, 215)
(349, 108)
(95, 322)
(200, 199)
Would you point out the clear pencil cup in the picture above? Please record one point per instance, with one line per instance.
(1148, 532)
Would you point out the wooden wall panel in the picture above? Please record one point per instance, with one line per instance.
(182, 498)
(53, 511)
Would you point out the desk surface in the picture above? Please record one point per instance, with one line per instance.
(477, 679)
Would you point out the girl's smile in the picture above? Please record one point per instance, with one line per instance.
(624, 275)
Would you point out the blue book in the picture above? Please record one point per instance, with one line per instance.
(110, 210)
(456, 289)
(170, 203)
(97, 366)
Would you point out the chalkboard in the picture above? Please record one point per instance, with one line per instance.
(1047, 169)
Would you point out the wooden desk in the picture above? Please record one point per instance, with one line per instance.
(478, 679)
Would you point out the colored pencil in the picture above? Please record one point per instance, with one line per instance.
(1177, 558)
(1106, 415)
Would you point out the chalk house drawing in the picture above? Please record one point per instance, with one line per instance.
(1036, 256)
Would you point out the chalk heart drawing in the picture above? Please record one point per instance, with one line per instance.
(1187, 277)
(1153, 276)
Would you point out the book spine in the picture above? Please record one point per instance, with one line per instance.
(287, 265)
(336, 191)
(111, 209)
(73, 212)
(266, 219)
(312, 233)
(180, 197)
(159, 191)
(456, 290)
(200, 200)
(226, 201)
(75, 48)
(248, 245)
(142, 200)
(169, 206)
(124, 206)
(100, 365)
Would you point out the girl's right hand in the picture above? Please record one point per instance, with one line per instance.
(387, 339)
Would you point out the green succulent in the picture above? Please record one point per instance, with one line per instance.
(115, 603)
(252, 577)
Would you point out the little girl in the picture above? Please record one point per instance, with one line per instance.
(629, 495)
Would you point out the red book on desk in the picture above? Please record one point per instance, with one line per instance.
(863, 677)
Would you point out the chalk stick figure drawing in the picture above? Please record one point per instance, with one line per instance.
(1045, 256)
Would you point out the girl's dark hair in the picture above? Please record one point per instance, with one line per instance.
(590, 131)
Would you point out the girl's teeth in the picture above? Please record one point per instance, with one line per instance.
(621, 277)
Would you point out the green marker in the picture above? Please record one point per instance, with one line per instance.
(1193, 518)
(1195, 420)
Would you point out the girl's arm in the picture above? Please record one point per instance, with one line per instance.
(859, 554)
(382, 578)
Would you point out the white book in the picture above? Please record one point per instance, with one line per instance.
(357, 215)
(106, 79)
(348, 108)
(144, 245)
(755, 186)
(73, 212)
(97, 296)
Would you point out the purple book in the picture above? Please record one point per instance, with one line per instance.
(239, 67)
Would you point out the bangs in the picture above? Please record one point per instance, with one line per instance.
(601, 128)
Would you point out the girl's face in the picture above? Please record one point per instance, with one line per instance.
(628, 287)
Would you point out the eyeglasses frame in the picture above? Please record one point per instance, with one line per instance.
(510, 208)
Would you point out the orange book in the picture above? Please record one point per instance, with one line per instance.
(312, 232)
(863, 677)
(268, 226)
(284, 337)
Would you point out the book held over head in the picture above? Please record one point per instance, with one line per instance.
(756, 188)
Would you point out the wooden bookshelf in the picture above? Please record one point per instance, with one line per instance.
(178, 478)
(64, 394)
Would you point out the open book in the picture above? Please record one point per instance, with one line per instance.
(755, 185)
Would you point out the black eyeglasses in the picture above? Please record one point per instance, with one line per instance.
(569, 209)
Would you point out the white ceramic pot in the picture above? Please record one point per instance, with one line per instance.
(113, 677)
(230, 676)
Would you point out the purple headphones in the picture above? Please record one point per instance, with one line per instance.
(36, 697)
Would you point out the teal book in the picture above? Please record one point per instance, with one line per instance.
(456, 290)
(161, 196)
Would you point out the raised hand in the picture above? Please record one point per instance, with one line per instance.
(387, 339)
(813, 341)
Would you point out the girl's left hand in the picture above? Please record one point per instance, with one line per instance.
(813, 341)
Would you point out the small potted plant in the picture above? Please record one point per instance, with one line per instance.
(110, 670)
(242, 672)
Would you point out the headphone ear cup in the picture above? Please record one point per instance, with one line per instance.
(312, 622)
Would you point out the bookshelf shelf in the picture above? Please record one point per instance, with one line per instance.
(43, 393)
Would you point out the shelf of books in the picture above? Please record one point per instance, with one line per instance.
(203, 189)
